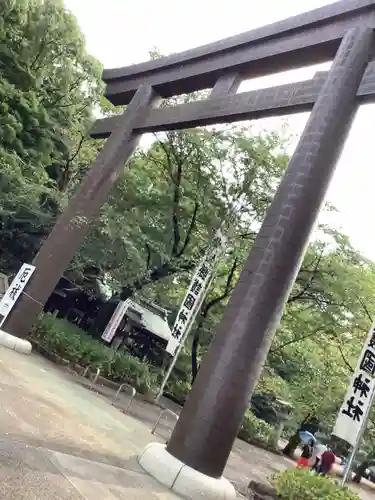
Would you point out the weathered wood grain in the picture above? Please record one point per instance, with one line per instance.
(301, 40)
(281, 100)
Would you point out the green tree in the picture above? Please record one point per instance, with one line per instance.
(49, 87)
(172, 198)
(323, 329)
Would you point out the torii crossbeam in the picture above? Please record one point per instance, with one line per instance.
(194, 460)
(282, 100)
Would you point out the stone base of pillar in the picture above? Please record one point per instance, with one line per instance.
(181, 479)
(16, 344)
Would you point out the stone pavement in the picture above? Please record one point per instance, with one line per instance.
(38, 473)
(60, 441)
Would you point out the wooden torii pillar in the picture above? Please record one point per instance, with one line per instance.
(196, 455)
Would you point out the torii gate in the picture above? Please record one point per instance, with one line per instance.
(197, 452)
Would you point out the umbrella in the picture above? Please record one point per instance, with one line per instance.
(306, 436)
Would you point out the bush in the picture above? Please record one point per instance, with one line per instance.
(299, 484)
(71, 343)
(179, 389)
(254, 430)
(126, 368)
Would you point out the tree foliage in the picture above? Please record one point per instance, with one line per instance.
(49, 87)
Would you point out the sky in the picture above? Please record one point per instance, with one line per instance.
(120, 33)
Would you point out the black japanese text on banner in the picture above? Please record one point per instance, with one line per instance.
(115, 320)
(14, 291)
(196, 290)
(352, 414)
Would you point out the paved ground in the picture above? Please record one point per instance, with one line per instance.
(60, 441)
(246, 462)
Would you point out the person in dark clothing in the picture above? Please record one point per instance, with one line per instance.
(307, 451)
(318, 451)
(326, 462)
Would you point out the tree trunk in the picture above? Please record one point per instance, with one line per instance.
(310, 424)
(291, 447)
(127, 291)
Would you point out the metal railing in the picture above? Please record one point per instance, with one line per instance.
(163, 412)
(94, 380)
(133, 394)
(87, 372)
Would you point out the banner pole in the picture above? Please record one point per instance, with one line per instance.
(355, 448)
(217, 249)
(182, 342)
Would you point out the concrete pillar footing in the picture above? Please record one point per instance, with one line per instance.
(181, 479)
(16, 344)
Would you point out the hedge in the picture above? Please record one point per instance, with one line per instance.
(299, 484)
(73, 344)
(254, 430)
(66, 340)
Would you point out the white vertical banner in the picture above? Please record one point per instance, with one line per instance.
(14, 291)
(115, 320)
(196, 291)
(358, 399)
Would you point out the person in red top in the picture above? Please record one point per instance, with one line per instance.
(307, 451)
(326, 462)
